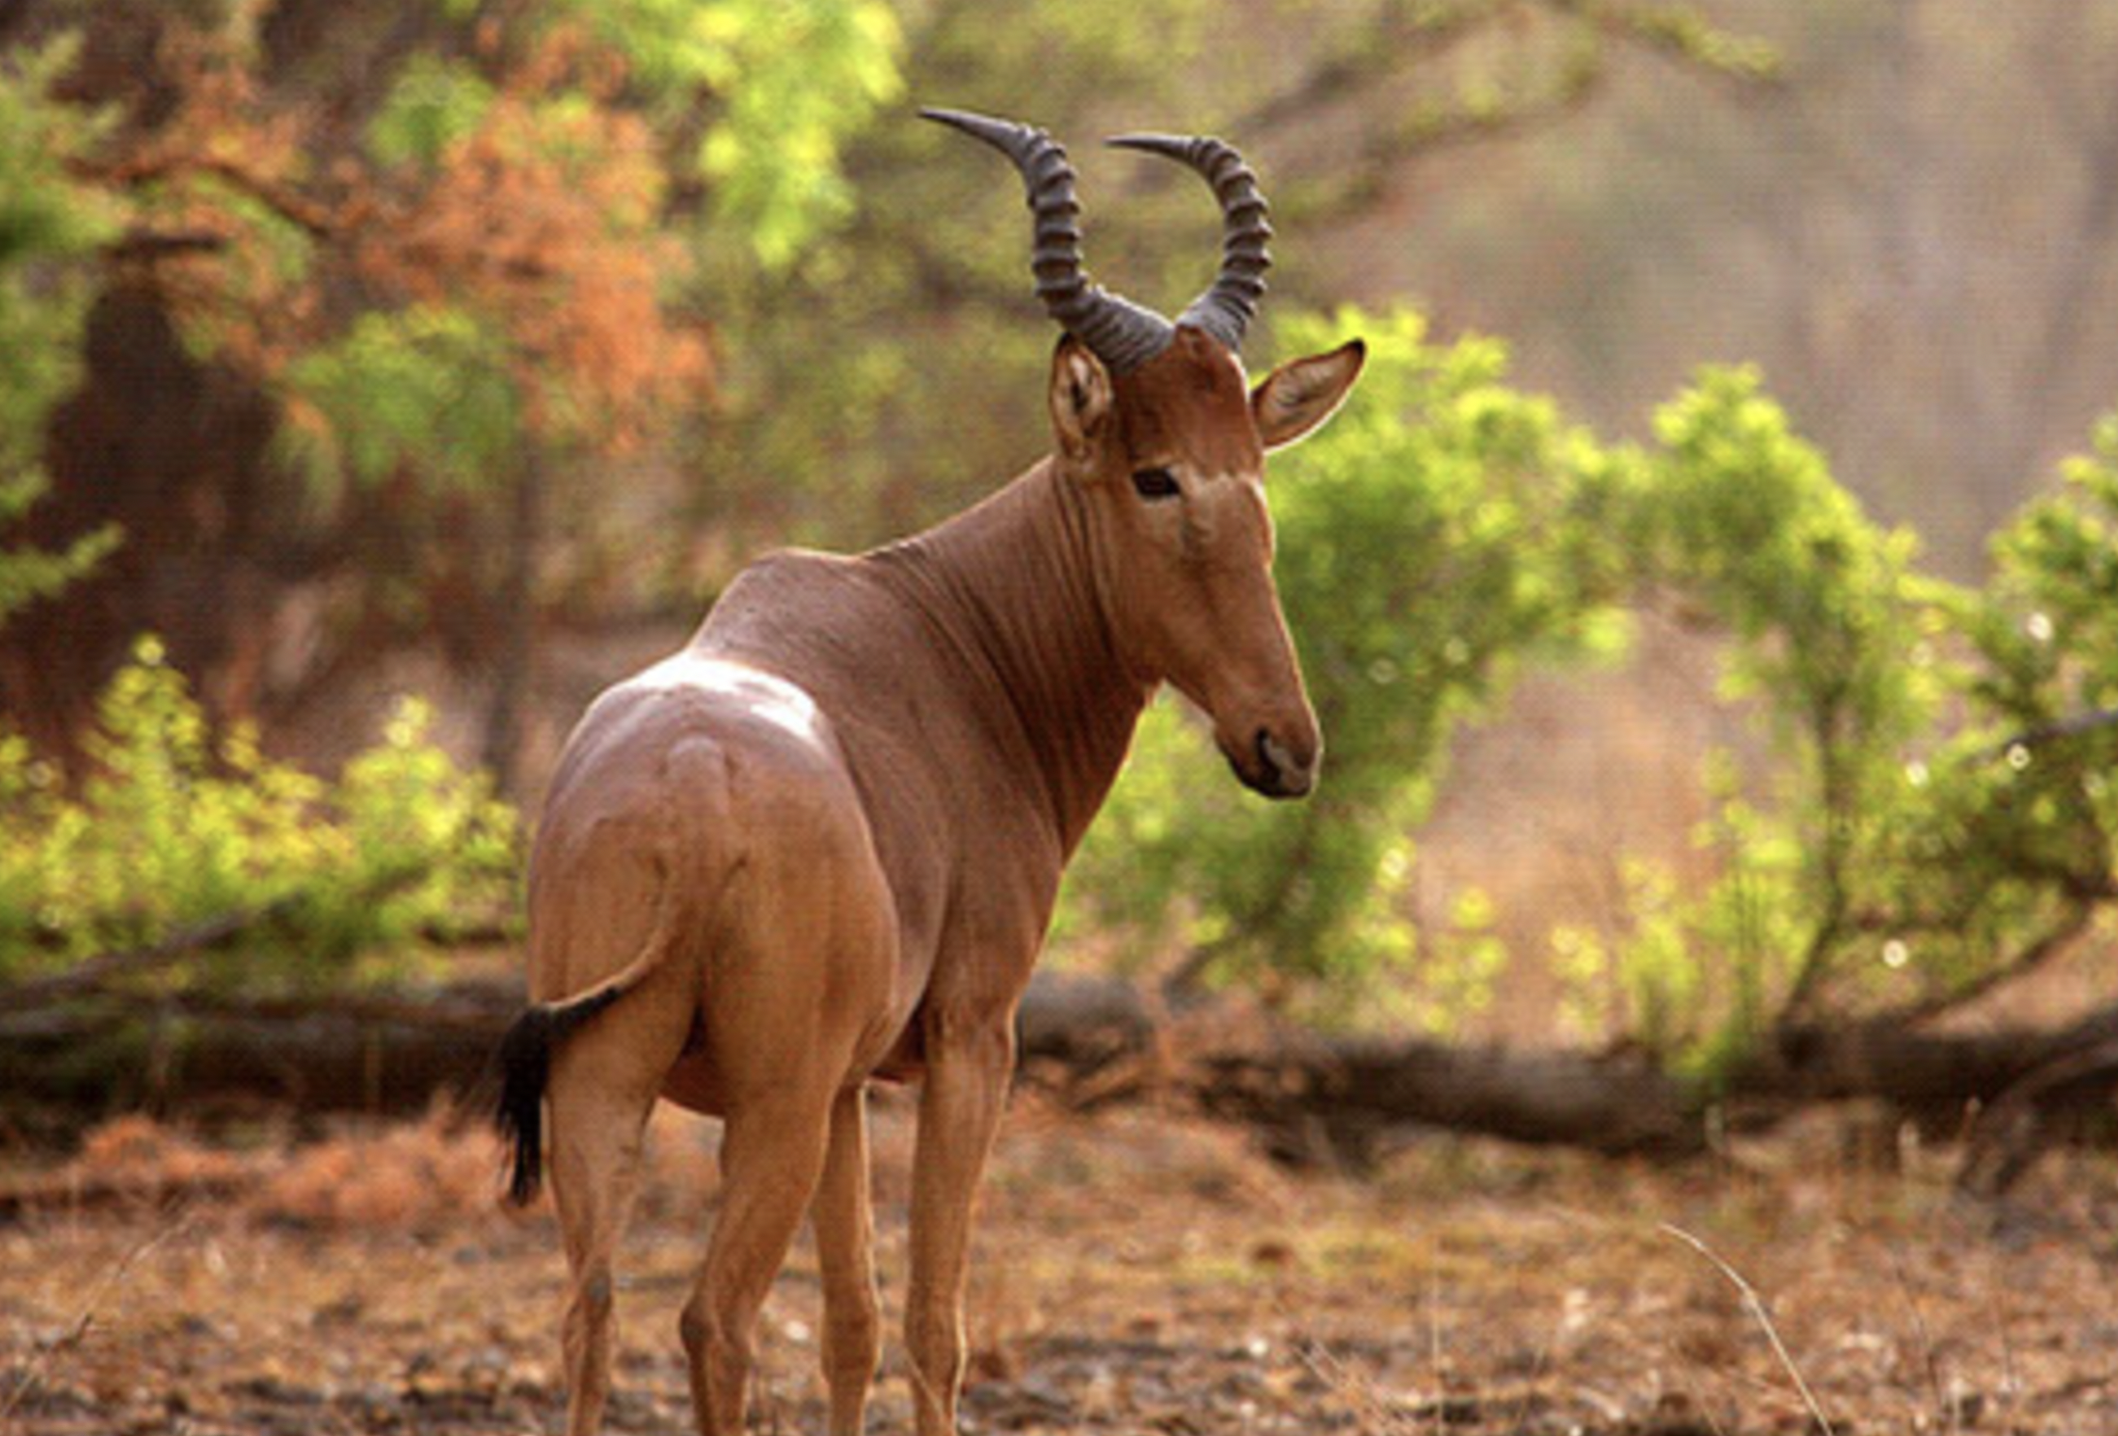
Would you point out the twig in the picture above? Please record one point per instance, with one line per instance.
(77, 1330)
(2074, 726)
(2048, 946)
(1928, 1358)
(93, 972)
(149, 245)
(1756, 1306)
(1356, 1388)
(1434, 1347)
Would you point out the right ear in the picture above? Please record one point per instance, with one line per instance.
(1299, 395)
(1080, 399)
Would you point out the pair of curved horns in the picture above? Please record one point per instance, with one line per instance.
(1122, 334)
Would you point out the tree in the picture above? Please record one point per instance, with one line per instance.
(402, 270)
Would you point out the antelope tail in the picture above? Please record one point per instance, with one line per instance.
(525, 1056)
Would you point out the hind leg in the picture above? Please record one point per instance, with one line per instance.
(595, 1160)
(796, 1002)
(603, 1086)
(772, 1155)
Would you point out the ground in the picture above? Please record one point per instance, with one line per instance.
(1136, 1271)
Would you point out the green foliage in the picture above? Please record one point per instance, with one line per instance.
(1832, 646)
(2049, 628)
(425, 387)
(1748, 520)
(432, 104)
(44, 212)
(49, 222)
(1653, 982)
(1923, 824)
(1685, 32)
(27, 573)
(179, 826)
(2021, 802)
(791, 82)
(1442, 531)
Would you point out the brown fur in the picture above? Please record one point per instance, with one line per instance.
(821, 845)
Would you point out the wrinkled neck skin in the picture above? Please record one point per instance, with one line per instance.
(1012, 590)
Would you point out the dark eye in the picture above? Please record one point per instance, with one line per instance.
(1155, 484)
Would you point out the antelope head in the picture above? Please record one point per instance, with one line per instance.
(1156, 433)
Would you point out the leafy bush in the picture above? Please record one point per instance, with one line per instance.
(2016, 842)
(1927, 822)
(180, 827)
(1833, 644)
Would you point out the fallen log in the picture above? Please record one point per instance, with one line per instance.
(108, 1054)
(1095, 1040)
(1339, 1099)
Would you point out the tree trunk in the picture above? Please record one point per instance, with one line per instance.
(516, 649)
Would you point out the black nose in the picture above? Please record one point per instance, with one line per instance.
(1281, 773)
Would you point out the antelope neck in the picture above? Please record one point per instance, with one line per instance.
(1011, 587)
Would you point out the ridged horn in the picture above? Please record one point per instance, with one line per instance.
(1226, 309)
(1117, 331)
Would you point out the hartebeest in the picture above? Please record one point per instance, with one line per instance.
(820, 844)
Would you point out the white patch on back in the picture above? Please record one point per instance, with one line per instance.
(763, 695)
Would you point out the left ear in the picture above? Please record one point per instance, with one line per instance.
(1302, 393)
(1079, 398)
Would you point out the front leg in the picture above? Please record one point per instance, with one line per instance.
(969, 1062)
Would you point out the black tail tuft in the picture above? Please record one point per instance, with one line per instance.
(525, 1071)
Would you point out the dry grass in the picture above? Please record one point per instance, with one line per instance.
(1136, 1272)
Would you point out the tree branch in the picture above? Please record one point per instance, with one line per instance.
(311, 218)
(149, 245)
(2058, 730)
(2036, 955)
(96, 973)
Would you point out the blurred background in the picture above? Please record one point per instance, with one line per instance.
(382, 378)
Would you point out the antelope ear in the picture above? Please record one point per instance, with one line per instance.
(1080, 398)
(1299, 395)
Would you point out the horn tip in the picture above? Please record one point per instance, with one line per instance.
(970, 121)
(1153, 143)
